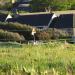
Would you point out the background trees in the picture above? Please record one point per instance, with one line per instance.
(5, 4)
(42, 5)
(39, 5)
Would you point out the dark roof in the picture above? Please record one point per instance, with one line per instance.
(63, 21)
(24, 1)
(34, 20)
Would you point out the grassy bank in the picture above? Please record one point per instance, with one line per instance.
(50, 58)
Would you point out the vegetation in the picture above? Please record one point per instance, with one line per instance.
(48, 58)
(42, 5)
(6, 5)
(54, 57)
(24, 31)
(10, 36)
(14, 26)
(39, 5)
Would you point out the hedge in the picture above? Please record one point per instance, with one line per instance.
(10, 36)
(25, 31)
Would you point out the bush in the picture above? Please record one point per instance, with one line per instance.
(44, 35)
(10, 36)
(53, 34)
(73, 6)
(14, 26)
(24, 30)
(6, 5)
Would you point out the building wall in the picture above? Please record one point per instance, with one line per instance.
(24, 0)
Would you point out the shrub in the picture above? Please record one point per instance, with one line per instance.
(73, 6)
(44, 35)
(53, 34)
(6, 5)
(10, 36)
(14, 26)
(24, 30)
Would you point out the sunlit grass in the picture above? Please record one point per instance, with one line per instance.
(40, 57)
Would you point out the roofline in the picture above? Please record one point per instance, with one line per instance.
(36, 13)
(56, 12)
(65, 12)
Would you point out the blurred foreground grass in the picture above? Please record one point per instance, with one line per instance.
(41, 59)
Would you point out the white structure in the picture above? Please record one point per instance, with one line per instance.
(8, 17)
(53, 16)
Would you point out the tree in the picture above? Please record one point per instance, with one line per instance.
(40, 5)
(5, 4)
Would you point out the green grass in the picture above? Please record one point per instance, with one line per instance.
(40, 57)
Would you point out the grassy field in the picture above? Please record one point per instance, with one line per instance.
(53, 58)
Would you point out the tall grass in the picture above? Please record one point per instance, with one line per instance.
(53, 58)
